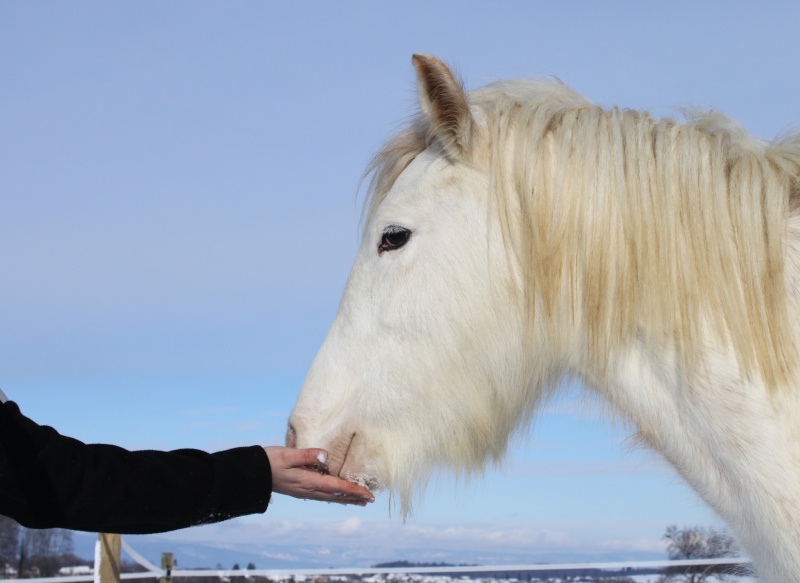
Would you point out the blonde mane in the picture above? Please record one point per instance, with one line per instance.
(631, 226)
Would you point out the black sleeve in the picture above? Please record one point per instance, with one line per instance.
(51, 481)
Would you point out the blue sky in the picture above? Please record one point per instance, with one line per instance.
(178, 215)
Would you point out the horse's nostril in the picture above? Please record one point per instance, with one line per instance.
(291, 436)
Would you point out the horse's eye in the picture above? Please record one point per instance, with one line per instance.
(393, 238)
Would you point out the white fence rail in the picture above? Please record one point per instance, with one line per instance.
(154, 572)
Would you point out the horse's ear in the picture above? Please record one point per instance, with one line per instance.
(444, 102)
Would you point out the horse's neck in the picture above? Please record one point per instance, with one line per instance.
(735, 442)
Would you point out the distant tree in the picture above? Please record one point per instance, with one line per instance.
(61, 544)
(43, 551)
(237, 578)
(251, 566)
(9, 542)
(698, 543)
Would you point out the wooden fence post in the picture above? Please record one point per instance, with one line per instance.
(166, 564)
(108, 558)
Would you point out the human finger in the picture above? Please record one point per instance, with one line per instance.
(339, 488)
(291, 458)
(312, 456)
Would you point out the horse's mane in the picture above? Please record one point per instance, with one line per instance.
(638, 227)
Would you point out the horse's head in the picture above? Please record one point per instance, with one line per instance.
(520, 232)
(429, 339)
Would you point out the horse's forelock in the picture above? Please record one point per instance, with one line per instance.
(387, 165)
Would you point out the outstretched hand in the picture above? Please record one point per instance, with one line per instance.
(302, 473)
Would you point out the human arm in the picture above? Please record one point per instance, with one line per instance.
(48, 480)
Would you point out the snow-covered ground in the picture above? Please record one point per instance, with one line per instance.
(730, 579)
(414, 578)
(444, 579)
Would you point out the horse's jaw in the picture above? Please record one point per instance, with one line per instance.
(380, 436)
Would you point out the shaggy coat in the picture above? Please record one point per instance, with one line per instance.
(519, 234)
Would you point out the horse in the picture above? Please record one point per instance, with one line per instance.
(519, 235)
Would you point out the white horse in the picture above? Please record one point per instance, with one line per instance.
(518, 234)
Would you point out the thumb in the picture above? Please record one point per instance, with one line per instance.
(309, 457)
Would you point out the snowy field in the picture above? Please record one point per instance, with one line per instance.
(401, 578)
(576, 579)
(654, 579)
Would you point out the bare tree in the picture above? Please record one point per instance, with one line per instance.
(9, 543)
(43, 551)
(698, 543)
